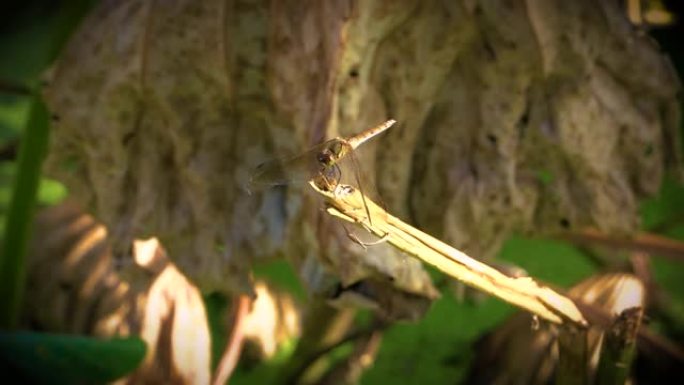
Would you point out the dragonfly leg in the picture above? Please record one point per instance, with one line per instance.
(355, 239)
(379, 241)
(361, 243)
(331, 176)
(337, 175)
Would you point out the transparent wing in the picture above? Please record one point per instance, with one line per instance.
(303, 167)
(296, 169)
(362, 178)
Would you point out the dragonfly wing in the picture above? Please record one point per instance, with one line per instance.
(286, 171)
(358, 178)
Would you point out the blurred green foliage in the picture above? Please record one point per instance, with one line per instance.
(18, 226)
(29, 42)
(64, 359)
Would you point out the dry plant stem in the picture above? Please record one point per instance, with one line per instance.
(300, 370)
(647, 340)
(347, 203)
(659, 300)
(350, 370)
(619, 348)
(234, 347)
(572, 357)
(323, 326)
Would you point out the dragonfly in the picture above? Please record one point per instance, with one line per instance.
(320, 164)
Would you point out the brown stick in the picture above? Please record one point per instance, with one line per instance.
(573, 358)
(619, 348)
(644, 242)
(234, 347)
(301, 368)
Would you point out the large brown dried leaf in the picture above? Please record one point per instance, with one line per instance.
(513, 116)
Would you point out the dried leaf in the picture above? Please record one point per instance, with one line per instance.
(527, 116)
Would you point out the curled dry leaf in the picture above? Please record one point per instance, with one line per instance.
(513, 116)
(274, 320)
(522, 352)
(73, 287)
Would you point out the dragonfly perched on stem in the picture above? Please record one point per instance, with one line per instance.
(320, 163)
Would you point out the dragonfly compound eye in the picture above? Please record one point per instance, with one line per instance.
(336, 148)
(325, 158)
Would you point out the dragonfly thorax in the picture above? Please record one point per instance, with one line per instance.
(328, 171)
(331, 153)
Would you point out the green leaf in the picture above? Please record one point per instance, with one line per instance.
(666, 206)
(548, 260)
(217, 307)
(18, 225)
(38, 44)
(51, 192)
(438, 349)
(66, 359)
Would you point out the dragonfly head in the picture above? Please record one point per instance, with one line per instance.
(331, 154)
(325, 158)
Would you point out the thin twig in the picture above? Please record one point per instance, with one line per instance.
(353, 336)
(619, 348)
(351, 368)
(323, 325)
(644, 242)
(572, 357)
(234, 347)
